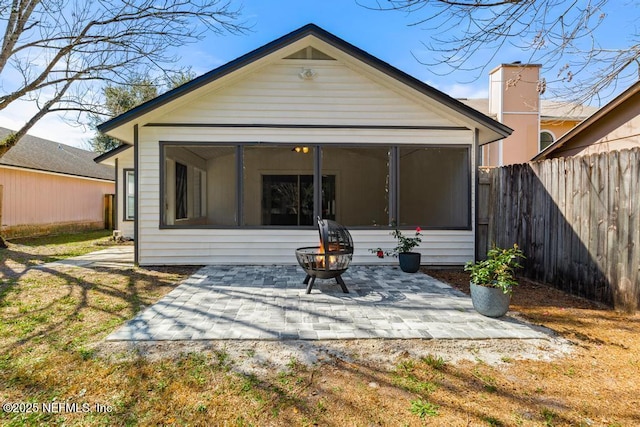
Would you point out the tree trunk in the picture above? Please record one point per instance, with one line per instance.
(3, 245)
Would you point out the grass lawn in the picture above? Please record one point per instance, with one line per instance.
(51, 322)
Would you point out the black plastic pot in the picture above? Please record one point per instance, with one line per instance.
(409, 261)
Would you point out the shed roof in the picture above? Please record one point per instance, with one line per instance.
(491, 129)
(44, 155)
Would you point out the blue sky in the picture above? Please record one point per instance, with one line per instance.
(386, 35)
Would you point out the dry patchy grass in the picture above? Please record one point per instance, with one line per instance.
(52, 321)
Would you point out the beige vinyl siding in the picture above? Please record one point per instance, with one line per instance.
(125, 161)
(277, 246)
(309, 136)
(337, 96)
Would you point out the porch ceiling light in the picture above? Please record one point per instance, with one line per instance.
(303, 150)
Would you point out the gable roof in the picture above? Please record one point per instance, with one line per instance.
(44, 155)
(497, 129)
(590, 128)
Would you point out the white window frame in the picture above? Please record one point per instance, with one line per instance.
(129, 194)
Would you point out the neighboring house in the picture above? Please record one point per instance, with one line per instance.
(514, 99)
(234, 166)
(616, 126)
(51, 187)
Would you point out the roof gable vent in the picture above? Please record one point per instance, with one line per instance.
(310, 53)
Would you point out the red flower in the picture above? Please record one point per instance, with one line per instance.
(380, 254)
(418, 229)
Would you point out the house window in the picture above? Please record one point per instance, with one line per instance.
(546, 139)
(129, 195)
(181, 191)
(288, 199)
(435, 187)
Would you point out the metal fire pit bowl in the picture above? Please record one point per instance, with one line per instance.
(331, 258)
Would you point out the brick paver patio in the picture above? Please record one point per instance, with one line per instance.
(269, 303)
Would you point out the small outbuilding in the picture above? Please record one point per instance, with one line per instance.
(235, 166)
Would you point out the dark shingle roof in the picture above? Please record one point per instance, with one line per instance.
(41, 154)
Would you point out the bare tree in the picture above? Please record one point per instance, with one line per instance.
(564, 36)
(57, 54)
(121, 98)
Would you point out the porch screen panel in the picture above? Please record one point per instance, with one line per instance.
(361, 191)
(221, 186)
(277, 186)
(435, 187)
(199, 185)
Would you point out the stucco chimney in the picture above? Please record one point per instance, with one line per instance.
(515, 101)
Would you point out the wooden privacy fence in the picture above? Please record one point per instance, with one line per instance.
(576, 219)
(109, 211)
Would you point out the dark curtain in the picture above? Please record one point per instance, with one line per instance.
(181, 191)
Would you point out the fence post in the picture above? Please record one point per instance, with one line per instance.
(108, 212)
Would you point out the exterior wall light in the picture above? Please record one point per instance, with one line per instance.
(307, 74)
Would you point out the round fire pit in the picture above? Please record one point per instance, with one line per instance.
(331, 258)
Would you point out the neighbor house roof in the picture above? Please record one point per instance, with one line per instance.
(40, 154)
(549, 110)
(594, 127)
(497, 129)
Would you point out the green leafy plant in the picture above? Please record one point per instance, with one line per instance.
(436, 362)
(423, 408)
(498, 269)
(404, 245)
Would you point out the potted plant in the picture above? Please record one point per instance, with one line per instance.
(409, 261)
(493, 279)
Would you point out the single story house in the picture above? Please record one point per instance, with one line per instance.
(48, 187)
(615, 126)
(235, 166)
